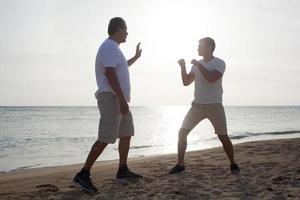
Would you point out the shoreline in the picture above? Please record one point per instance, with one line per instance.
(269, 169)
(241, 140)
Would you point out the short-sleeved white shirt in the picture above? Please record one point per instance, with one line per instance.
(110, 55)
(206, 92)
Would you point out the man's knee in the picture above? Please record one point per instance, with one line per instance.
(224, 139)
(99, 144)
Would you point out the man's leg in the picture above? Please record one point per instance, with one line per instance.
(123, 171)
(216, 115)
(192, 118)
(108, 126)
(228, 148)
(126, 131)
(182, 144)
(83, 177)
(124, 145)
(95, 152)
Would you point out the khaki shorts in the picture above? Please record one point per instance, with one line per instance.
(213, 112)
(112, 124)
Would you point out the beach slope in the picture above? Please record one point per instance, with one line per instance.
(269, 170)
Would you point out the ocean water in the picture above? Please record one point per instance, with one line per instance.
(49, 136)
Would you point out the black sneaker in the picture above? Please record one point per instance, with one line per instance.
(234, 168)
(84, 181)
(127, 174)
(176, 169)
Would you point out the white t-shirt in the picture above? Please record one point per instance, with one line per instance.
(206, 92)
(110, 55)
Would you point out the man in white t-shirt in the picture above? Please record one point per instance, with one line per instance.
(207, 74)
(113, 96)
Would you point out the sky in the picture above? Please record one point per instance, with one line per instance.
(48, 49)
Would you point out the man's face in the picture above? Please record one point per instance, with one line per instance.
(121, 34)
(202, 48)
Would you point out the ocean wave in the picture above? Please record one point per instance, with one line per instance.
(142, 147)
(10, 142)
(24, 168)
(249, 134)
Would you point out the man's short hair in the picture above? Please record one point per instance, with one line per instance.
(209, 42)
(114, 24)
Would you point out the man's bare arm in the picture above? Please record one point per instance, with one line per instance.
(187, 79)
(131, 61)
(210, 76)
(115, 85)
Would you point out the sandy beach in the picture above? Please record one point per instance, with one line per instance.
(269, 170)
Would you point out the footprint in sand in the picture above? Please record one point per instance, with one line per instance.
(280, 180)
(48, 187)
(5, 193)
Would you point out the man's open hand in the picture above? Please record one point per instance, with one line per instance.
(138, 51)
